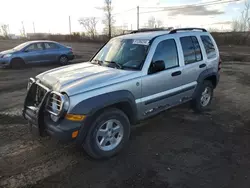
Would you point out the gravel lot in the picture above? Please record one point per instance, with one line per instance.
(177, 149)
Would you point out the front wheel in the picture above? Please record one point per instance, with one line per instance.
(17, 63)
(108, 134)
(204, 97)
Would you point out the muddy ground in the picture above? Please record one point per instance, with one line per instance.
(177, 149)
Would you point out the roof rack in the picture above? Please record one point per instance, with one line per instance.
(187, 29)
(150, 29)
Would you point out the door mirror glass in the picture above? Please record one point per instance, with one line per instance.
(157, 66)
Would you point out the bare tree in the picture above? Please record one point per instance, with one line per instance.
(108, 20)
(151, 22)
(154, 23)
(159, 23)
(4, 29)
(242, 23)
(89, 24)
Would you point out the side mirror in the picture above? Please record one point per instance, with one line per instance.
(26, 50)
(157, 66)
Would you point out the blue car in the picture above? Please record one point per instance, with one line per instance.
(34, 52)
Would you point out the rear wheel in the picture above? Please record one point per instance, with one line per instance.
(204, 97)
(17, 63)
(63, 60)
(108, 134)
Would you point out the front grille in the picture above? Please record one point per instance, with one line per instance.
(40, 94)
(55, 103)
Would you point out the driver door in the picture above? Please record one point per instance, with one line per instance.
(34, 53)
(160, 90)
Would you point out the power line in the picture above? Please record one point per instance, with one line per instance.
(197, 4)
(123, 11)
(185, 6)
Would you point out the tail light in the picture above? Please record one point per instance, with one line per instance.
(219, 65)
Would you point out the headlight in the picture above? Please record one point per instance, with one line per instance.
(7, 55)
(54, 106)
(66, 103)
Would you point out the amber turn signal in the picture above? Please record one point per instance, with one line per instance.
(74, 117)
(74, 134)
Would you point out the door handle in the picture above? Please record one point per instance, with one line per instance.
(202, 65)
(176, 73)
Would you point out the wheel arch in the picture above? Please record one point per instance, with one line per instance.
(123, 100)
(208, 74)
(94, 106)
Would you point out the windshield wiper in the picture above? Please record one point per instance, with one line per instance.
(117, 64)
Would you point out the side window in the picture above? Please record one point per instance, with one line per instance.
(167, 51)
(39, 46)
(35, 47)
(31, 47)
(197, 49)
(50, 45)
(191, 49)
(209, 46)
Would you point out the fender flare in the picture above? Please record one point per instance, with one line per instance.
(203, 76)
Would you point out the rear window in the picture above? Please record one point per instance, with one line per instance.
(50, 45)
(191, 49)
(209, 46)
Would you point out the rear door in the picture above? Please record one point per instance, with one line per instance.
(34, 53)
(194, 62)
(51, 51)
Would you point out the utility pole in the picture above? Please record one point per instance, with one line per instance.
(138, 13)
(24, 33)
(34, 27)
(69, 25)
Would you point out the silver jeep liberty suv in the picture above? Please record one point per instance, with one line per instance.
(131, 78)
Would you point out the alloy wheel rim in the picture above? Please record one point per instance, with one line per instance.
(109, 135)
(63, 60)
(205, 97)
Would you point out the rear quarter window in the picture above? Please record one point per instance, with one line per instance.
(209, 46)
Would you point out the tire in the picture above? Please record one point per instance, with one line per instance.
(97, 143)
(17, 63)
(63, 60)
(200, 104)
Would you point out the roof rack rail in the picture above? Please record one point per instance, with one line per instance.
(187, 29)
(150, 29)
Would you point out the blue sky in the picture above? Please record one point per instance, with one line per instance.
(52, 15)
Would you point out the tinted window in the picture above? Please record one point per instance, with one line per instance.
(50, 45)
(197, 49)
(209, 46)
(191, 49)
(167, 51)
(35, 47)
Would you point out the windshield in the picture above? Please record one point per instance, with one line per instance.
(21, 46)
(124, 53)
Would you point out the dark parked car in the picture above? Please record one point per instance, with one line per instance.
(34, 52)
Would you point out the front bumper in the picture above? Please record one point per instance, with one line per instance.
(5, 62)
(41, 123)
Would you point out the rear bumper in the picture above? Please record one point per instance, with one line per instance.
(71, 56)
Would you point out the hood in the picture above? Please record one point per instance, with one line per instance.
(78, 78)
(7, 52)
